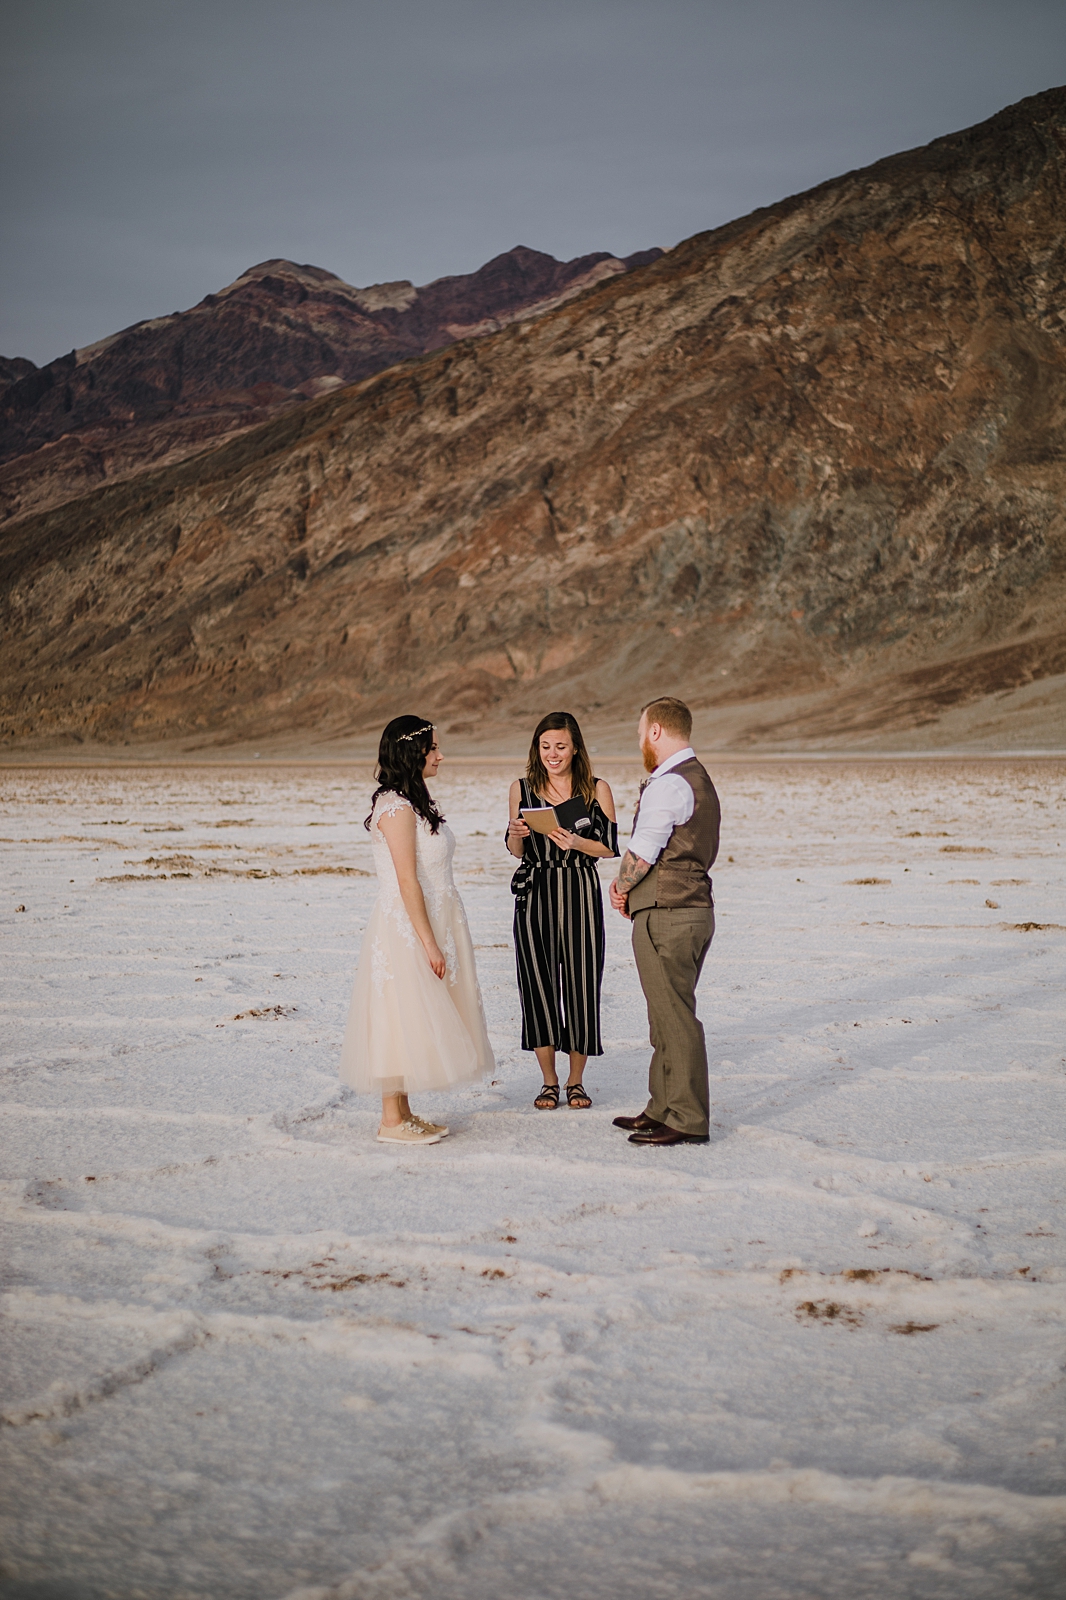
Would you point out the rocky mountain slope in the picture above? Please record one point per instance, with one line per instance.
(808, 470)
(278, 336)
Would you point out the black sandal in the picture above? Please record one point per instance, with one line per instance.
(548, 1098)
(577, 1097)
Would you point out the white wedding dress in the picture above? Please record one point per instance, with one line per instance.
(409, 1030)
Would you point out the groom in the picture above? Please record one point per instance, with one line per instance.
(663, 885)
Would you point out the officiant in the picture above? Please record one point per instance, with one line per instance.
(562, 821)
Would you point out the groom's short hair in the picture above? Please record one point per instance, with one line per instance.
(673, 716)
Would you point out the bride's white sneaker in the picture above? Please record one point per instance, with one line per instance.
(433, 1127)
(410, 1132)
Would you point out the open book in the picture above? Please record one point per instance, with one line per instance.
(570, 814)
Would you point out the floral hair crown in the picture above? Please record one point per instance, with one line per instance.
(415, 733)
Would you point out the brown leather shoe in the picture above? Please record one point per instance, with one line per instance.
(664, 1135)
(641, 1120)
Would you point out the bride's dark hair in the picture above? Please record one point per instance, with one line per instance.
(405, 744)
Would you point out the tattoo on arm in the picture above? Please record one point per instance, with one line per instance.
(631, 871)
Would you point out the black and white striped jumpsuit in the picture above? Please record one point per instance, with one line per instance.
(558, 935)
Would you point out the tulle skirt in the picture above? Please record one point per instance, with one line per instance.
(409, 1030)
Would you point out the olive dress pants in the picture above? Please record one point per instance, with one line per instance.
(670, 945)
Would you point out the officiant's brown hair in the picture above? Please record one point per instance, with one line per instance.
(582, 781)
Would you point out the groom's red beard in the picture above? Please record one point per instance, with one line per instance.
(651, 760)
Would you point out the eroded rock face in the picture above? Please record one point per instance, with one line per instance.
(280, 335)
(820, 450)
(13, 370)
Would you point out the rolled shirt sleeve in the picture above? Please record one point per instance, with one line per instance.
(666, 803)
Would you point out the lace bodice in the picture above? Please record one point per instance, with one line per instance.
(433, 857)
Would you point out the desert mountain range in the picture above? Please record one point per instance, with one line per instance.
(278, 336)
(807, 470)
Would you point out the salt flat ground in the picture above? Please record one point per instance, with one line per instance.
(251, 1352)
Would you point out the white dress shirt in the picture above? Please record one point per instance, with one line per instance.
(667, 802)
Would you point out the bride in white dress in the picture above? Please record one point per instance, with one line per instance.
(416, 1019)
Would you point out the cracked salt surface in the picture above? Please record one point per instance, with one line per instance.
(250, 1352)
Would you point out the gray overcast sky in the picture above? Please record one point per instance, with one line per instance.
(152, 150)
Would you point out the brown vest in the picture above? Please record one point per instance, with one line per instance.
(679, 877)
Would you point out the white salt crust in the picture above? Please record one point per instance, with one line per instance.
(248, 1351)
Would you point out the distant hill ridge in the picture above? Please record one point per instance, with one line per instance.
(807, 471)
(280, 334)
